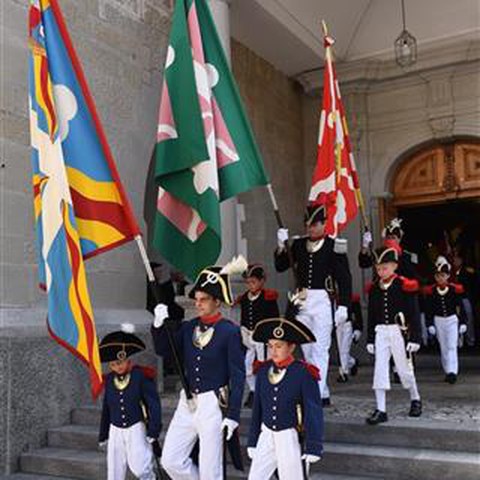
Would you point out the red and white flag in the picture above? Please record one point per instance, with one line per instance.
(335, 179)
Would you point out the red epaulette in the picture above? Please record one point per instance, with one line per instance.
(459, 289)
(270, 294)
(355, 298)
(368, 287)
(409, 284)
(428, 290)
(312, 370)
(149, 372)
(257, 365)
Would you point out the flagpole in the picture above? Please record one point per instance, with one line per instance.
(280, 224)
(152, 284)
(358, 193)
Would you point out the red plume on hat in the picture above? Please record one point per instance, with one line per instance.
(390, 243)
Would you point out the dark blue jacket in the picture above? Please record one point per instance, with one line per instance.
(276, 405)
(221, 362)
(123, 408)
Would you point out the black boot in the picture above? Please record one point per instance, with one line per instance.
(354, 369)
(342, 377)
(377, 417)
(326, 402)
(249, 401)
(415, 408)
(450, 378)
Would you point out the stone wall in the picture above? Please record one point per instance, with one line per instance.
(274, 107)
(121, 45)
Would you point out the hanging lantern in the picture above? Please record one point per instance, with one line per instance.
(405, 45)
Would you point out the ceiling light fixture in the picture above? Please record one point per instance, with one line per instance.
(405, 45)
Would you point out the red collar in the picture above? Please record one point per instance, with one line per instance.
(388, 280)
(212, 319)
(285, 363)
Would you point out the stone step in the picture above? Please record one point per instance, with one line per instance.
(346, 459)
(413, 433)
(400, 463)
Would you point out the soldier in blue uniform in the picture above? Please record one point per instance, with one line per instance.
(214, 364)
(446, 316)
(393, 331)
(287, 417)
(256, 304)
(131, 414)
(320, 263)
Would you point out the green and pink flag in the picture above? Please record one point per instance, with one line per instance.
(205, 151)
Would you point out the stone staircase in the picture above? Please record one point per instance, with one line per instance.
(420, 449)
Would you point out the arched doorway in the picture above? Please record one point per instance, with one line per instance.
(436, 190)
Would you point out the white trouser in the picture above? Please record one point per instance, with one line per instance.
(447, 335)
(423, 324)
(184, 429)
(316, 314)
(256, 351)
(389, 342)
(344, 333)
(277, 450)
(470, 334)
(129, 447)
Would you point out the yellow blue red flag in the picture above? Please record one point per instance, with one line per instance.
(80, 206)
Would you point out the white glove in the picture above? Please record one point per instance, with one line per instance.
(367, 239)
(432, 330)
(462, 329)
(103, 445)
(356, 335)
(413, 347)
(161, 313)
(282, 237)
(246, 337)
(308, 458)
(230, 425)
(371, 348)
(150, 440)
(251, 452)
(341, 315)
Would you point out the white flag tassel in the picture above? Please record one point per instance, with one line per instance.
(236, 266)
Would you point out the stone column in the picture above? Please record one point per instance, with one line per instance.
(230, 226)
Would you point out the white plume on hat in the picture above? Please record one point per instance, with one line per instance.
(127, 328)
(236, 266)
(392, 225)
(440, 262)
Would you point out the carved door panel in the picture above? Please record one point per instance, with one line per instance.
(467, 166)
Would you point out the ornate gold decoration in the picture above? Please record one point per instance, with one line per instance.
(202, 338)
(121, 383)
(276, 376)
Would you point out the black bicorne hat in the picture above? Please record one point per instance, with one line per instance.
(214, 283)
(119, 345)
(254, 270)
(286, 329)
(314, 213)
(385, 254)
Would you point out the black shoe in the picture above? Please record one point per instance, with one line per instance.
(354, 369)
(377, 417)
(249, 401)
(342, 378)
(415, 408)
(450, 378)
(396, 378)
(326, 402)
